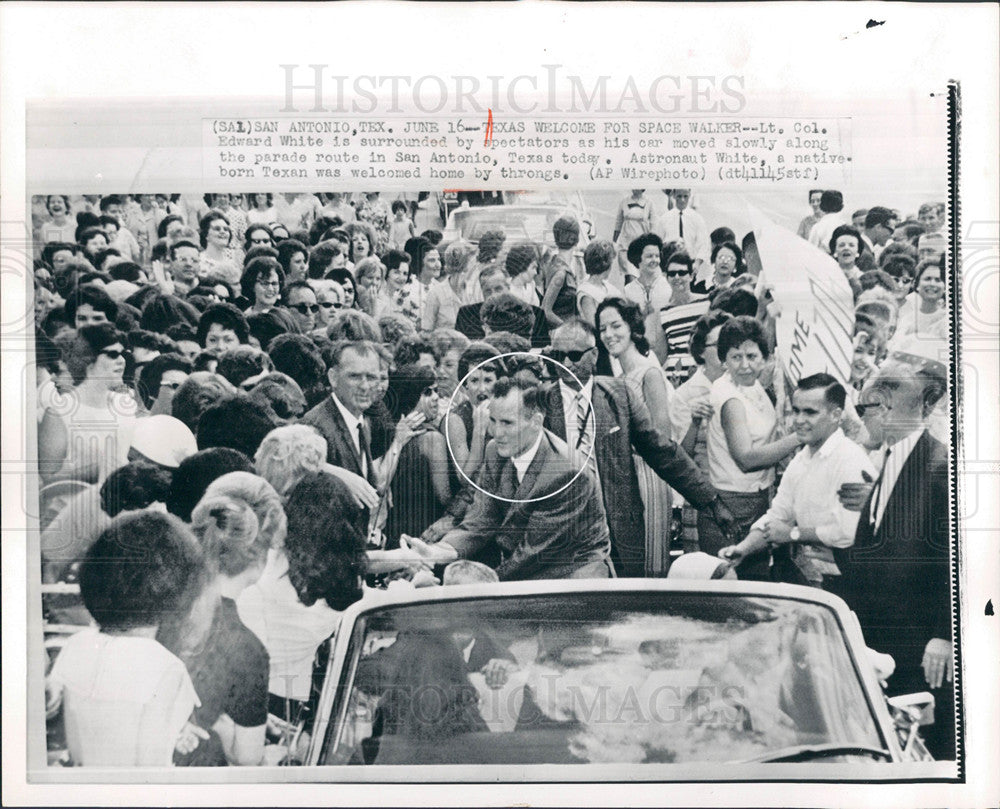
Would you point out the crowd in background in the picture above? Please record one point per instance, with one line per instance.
(288, 399)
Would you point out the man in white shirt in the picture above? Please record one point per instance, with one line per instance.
(682, 222)
(806, 514)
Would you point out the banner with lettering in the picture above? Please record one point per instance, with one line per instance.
(817, 306)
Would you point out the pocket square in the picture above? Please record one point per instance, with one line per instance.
(614, 429)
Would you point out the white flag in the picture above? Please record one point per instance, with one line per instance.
(817, 305)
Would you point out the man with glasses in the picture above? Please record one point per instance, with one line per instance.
(880, 222)
(896, 576)
(606, 420)
(300, 301)
(185, 258)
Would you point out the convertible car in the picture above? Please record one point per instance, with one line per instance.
(645, 680)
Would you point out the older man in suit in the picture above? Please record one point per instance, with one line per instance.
(340, 419)
(897, 574)
(617, 425)
(533, 502)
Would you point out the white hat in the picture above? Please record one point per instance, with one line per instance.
(163, 440)
(700, 566)
(120, 289)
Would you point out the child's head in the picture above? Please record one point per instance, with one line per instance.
(399, 208)
(143, 567)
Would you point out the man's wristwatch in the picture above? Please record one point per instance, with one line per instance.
(795, 534)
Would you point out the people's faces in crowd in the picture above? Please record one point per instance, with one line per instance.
(349, 293)
(109, 365)
(169, 384)
(814, 200)
(355, 379)
(681, 198)
(280, 232)
(494, 284)
(813, 418)
(362, 249)
(95, 244)
(679, 275)
(370, 283)
(173, 230)
(447, 372)
(60, 259)
(892, 403)
(614, 331)
(220, 201)
(745, 363)
(866, 354)
(56, 206)
(329, 298)
(258, 237)
(858, 220)
(513, 426)
(116, 210)
(649, 259)
(930, 247)
(846, 250)
(930, 285)
(932, 218)
(87, 315)
(185, 264)
(576, 353)
(219, 234)
(479, 384)
(219, 340)
(45, 302)
(297, 266)
(429, 403)
(428, 361)
(431, 267)
(303, 307)
(267, 289)
(397, 277)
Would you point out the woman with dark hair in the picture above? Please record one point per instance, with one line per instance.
(294, 259)
(257, 236)
(678, 317)
(621, 328)
(598, 260)
(345, 278)
(559, 278)
(727, 263)
(363, 240)
(261, 210)
(125, 698)
(217, 255)
(261, 284)
(399, 287)
(924, 312)
(742, 444)
(236, 522)
(375, 215)
(163, 311)
(87, 434)
(420, 487)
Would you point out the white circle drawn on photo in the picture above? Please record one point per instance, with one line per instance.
(451, 452)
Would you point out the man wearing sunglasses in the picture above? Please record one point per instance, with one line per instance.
(300, 301)
(617, 424)
(896, 576)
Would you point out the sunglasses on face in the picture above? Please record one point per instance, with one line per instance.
(113, 354)
(331, 305)
(572, 356)
(864, 408)
(431, 390)
(677, 273)
(305, 308)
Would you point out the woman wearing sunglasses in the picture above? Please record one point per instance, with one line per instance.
(86, 435)
(420, 487)
(680, 314)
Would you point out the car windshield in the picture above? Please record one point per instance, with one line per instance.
(598, 677)
(520, 224)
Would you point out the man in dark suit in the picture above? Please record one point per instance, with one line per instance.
(618, 425)
(897, 575)
(533, 501)
(340, 418)
(495, 281)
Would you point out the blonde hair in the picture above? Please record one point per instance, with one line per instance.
(287, 454)
(260, 496)
(229, 533)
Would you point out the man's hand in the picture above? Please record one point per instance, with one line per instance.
(497, 672)
(440, 553)
(725, 520)
(938, 662)
(777, 532)
(853, 495)
(362, 492)
(190, 738)
(438, 529)
(732, 554)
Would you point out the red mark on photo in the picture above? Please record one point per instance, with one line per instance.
(489, 129)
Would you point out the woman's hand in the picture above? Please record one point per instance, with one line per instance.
(407, 427)
(701, 410)
(190, 737)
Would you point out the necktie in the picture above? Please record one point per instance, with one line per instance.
(877, 494)
(680, 224)
(364, 452)
(585, 433)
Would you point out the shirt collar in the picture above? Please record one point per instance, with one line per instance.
(352, 420)
(523, 461)
(904, 446)
(830, 445)
(569, 394)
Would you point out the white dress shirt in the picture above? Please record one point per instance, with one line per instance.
(898, 454)
(569, 399)
(353, 423)
(523, 461)
(807, 494)
(696, 239)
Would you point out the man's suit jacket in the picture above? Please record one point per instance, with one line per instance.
(545, 539)
(469, 323)
(897, 578)
(623, 425)
(340, 451)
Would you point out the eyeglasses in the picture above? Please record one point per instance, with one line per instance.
(864, 408)
(677, 273)
(305, 308)
(431, 390)
(171, 385)
(331, 305)
(113, 353)
(572, 356)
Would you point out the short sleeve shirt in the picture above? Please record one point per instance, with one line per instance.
(761, 421)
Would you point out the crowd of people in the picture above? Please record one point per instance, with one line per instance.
(287, 400)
